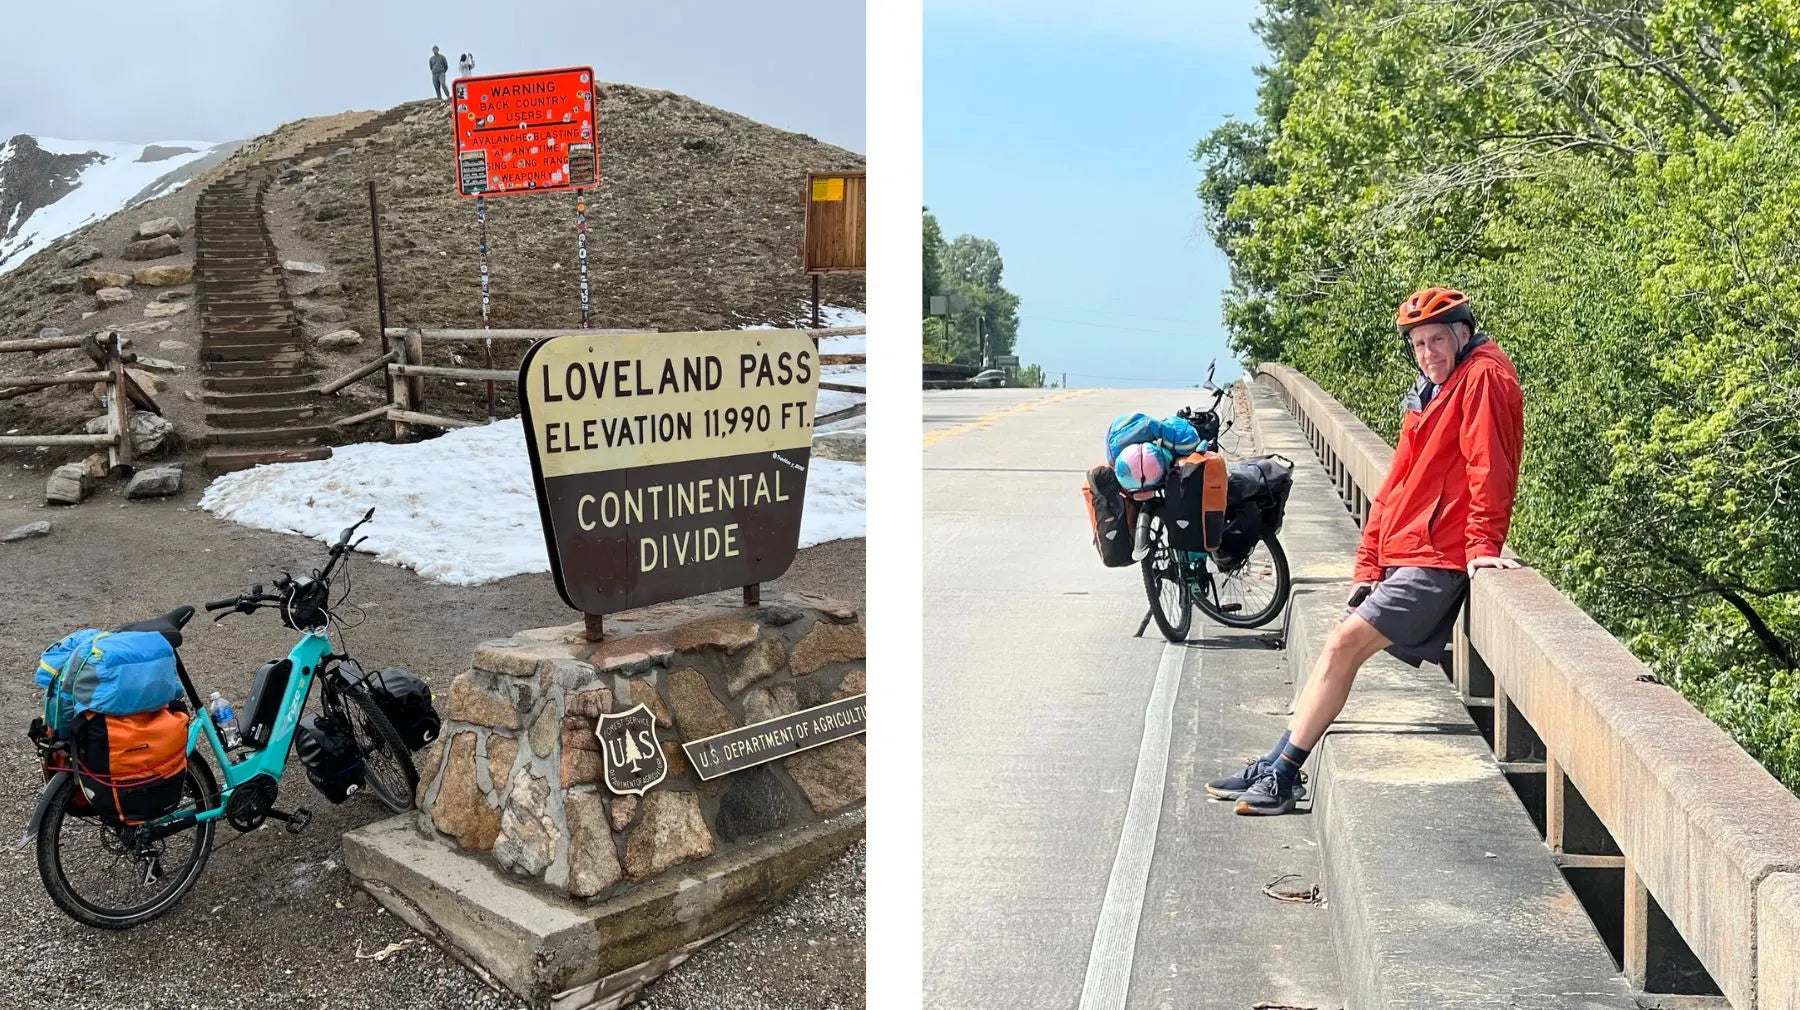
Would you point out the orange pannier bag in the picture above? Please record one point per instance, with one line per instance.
(131, 767)
(1194, 496)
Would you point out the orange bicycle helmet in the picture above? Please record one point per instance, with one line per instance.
(1434, 305)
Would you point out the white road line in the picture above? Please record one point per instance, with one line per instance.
(1115, 937)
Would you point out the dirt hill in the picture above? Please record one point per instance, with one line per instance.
(696, 224)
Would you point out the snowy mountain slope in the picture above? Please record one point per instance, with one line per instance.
(50, 187)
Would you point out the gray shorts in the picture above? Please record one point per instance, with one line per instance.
(1416, 608)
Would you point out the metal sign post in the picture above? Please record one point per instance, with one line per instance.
(581, 250)
(481, 221)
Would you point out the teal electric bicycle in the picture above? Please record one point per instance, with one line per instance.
(116, 876)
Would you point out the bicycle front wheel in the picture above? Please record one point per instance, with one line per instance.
(112, 877)
(1171, 603)
(387, 764)
(1252, 592)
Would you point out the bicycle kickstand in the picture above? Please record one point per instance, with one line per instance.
(1145, 623)
(296, 821)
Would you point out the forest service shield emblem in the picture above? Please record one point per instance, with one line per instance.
(630, 752)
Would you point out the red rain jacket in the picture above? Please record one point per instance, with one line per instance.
(1448, 496)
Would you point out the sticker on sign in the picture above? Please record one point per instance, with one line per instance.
(526, 132)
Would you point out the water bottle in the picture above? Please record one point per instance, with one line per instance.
(226, 719)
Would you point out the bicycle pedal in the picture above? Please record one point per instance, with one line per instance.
(302, 817)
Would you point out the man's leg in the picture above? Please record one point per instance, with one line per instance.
(1351, 644)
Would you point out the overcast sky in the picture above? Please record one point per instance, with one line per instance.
(220, 70)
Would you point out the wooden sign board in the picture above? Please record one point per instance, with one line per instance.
(668, 464)
(836, 238)
(526, 133)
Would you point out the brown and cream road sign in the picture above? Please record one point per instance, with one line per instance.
(668, 464)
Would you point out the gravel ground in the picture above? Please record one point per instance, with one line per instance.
(276, 921)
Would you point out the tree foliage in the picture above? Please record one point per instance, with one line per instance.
(971, 267)
(1616, 184)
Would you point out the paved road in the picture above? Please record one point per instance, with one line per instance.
(1069, 846)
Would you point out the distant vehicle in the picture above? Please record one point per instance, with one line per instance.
(990, 378)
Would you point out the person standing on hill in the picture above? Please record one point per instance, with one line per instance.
(439, 67)
(1440, 516)
(466, 66)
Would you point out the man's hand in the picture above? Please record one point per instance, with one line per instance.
(1489, 561)
(1359, 591)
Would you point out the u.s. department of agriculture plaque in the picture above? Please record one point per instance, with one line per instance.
(668, 464)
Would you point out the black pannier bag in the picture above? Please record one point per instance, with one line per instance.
(406, 701)
(267, 689)
(1256, 502)
(1109, 515)
(333, 764)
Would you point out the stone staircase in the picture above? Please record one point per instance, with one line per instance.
(260, 391)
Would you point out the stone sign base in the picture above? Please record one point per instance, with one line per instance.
(521, 860)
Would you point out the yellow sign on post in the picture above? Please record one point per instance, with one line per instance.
(828, 190)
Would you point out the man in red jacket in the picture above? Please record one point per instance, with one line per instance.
(1441, 514)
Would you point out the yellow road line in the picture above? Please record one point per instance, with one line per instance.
(934, 437)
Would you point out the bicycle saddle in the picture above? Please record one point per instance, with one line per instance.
(168, 625)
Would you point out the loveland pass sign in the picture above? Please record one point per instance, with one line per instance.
(668, 464)
(526, 133)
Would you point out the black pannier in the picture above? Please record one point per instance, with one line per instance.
(333, 763)
(1256, 502)
(406, 701)
(1110, 516)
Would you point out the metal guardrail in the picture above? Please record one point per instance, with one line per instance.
(1635, 778)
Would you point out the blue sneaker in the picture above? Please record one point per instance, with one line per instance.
(1266, 798)
(1232, 786)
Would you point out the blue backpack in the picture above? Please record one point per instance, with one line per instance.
(1130, 429)
(109, 672)
(1179, 436)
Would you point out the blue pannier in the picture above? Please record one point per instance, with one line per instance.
(112, 673)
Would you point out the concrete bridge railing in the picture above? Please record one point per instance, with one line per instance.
(1674, 827)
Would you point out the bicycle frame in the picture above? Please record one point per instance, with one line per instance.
(307, 656)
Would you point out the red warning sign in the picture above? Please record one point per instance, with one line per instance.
(526, 133)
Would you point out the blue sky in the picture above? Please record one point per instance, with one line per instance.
(1063, 132)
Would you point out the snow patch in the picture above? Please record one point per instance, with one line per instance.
(461, 508)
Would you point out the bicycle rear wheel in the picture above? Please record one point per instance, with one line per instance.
(111, 877)
(1253, 592)
(1171, 603)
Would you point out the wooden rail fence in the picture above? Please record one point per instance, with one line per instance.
(122, 393)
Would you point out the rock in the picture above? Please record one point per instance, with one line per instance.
(754, 802)
(644, 693)
(697, 712)
(156, 482)
(727, 633)
(67, 485)
(108, 297)
(94, 280)
(96, 465)
(674, 758)
(427, 766)
(338, 155)
(40, 528)
(759, 664)
(292, 175)
(149, 432)
(172, 345)
(301, 267)
(61, 285)
(89, 312)
(670, 832)
(152, 249)
(328, 289)
(148, 326)
(476, 699)
(160, 226)
(826, 643)
(340, 340)
(831, 776)
(172, 296)
(776, 615)
(543, 732)
(50, 333)
(156, 310)
(839, 611)
(590, 704)
(310, 164)
(502, 753)
(327, 314)
(849, 446)
(527, 842)
(631, 654)
(461, 810)
(158, 365)
(167, 275)
(622, 809)
(764, 704)
(580, 766)
(593, 861)
(76, 255)
(854, 683)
